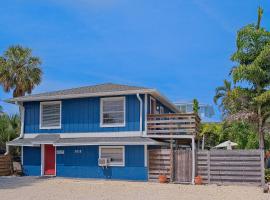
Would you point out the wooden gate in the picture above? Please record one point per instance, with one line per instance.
(177, 167)
(159, 163)
(183, 166)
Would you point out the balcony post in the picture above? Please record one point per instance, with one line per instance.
(193, 159)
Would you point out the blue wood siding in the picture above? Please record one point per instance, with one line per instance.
(31, 161)
(85, 164)
(83, 115)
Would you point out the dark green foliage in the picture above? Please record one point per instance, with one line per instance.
(9, 129)
(195, 106)
(267, 175)
(241, 132)
(249, 99)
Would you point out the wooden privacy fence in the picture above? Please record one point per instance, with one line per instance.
(159, 163)
(5, 165)
(231, 166)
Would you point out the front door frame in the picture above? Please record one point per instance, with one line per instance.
(42, 146)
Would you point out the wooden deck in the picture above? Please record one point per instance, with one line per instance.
(172, 125)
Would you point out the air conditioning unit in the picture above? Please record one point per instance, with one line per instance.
(103, 162)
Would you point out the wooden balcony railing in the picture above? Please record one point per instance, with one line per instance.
(172, 125)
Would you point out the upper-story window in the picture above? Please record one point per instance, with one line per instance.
(112, 112)
(50, 115)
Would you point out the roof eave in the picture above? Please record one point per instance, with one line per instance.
(71, 96)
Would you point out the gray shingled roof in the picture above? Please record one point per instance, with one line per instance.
(95, 89)
(58, 141)
(107, 89)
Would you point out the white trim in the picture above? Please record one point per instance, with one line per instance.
(101, 112)
(42, 160)
(171, 136)
(22, 111)
(113, 147)
(25, 145)
(145, 156)
(145, 114)
(40, 114)
(109, 143)
(55, 159)
(90, 134)
(141, 110)
(71, 96)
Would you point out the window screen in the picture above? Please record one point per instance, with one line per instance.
(115, 155)
(113, 111)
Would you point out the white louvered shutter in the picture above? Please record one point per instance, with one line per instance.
(51, 115)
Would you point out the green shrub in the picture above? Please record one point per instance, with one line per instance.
(267, 175)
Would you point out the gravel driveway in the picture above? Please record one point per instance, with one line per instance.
(26, 188)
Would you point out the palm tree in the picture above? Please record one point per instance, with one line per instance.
(223, 93)
(9, 128)
(260, 13)
(19, 70)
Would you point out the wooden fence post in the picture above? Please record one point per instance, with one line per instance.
(208, 166)
(262, 168)
(172, 161)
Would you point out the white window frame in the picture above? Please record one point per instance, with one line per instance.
(101, 112)
(114, 147)
(40, 114)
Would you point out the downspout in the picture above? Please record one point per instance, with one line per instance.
(22, 111)
(140, 100)
(145, 114)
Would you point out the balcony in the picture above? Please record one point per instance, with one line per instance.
(172, 125)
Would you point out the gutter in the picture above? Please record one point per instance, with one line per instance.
(140, 100)
(71, 96)
(22, 111)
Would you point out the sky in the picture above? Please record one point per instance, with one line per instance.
(180, 47)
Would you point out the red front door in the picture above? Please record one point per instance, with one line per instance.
(49, 159)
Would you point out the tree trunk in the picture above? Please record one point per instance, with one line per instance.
(260, 128)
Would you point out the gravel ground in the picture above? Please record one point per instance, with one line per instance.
(32, 188)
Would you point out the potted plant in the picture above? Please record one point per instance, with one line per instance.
(198, 180)
(162, 178)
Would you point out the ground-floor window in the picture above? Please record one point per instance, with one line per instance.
(114, 154)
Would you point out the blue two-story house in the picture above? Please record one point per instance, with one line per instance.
(97, 131)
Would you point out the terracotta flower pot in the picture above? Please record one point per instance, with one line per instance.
(198, 180)
(267, 154)
(162, 178)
